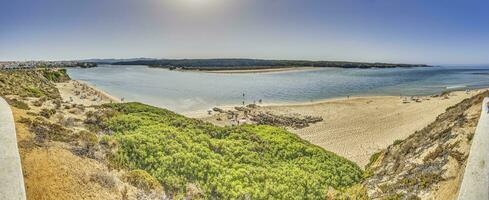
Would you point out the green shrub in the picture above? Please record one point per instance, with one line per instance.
(55, 75)
(257, 162)
(373, 158)
(46, 131)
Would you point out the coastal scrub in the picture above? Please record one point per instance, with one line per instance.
(257, 162)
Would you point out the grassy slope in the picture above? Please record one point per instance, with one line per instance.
(51, 169)
(31, 83)
(259, 162)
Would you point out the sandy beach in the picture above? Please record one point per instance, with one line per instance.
(357, 127)
(79, 92)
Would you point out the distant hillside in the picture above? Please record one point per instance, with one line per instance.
(114, 60)
(227, 64)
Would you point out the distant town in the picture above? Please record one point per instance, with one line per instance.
(6, 65)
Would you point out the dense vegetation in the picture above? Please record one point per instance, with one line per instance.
(257, 162)
(220, 64)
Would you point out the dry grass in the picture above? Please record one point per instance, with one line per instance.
(52, 172)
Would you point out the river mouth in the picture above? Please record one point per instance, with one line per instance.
(190, 91)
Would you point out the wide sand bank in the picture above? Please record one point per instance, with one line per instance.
(357, 127)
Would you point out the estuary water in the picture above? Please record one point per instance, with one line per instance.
(190, 91)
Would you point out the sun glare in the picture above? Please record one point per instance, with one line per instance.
(199, 3)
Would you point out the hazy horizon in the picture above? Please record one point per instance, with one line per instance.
(435, 33)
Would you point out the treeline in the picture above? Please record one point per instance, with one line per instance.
(220, 64)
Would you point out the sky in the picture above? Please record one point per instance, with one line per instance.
(399, 31)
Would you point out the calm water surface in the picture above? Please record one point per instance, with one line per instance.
(188, 91)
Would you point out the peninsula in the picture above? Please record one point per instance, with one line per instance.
(254, 64)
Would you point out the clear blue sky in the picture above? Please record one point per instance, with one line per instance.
(409, 31)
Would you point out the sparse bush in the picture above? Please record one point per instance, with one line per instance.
(18, 104)
(373, 158)
(470, 136)
(142, 180)
(422, 181)
(67, 122)
(57, 104)
(357, 192)
(104, 179)
(458, 156)
(434, 154)
(88, 142)
(87, 137)
(108, 141)
(47, 113)
(95, 120)
(194, 192)
(45, 131)
(38, 103)
(25, 120)
(34, 91)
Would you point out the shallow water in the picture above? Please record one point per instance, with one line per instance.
(188, 91)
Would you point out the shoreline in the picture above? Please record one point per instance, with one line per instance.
(251, 71)
(81, 92)
(107, 95)
(200, 113)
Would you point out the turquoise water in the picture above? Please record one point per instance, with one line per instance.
(188, 91)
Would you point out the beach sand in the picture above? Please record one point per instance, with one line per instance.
(358, 127)
(78, 92)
